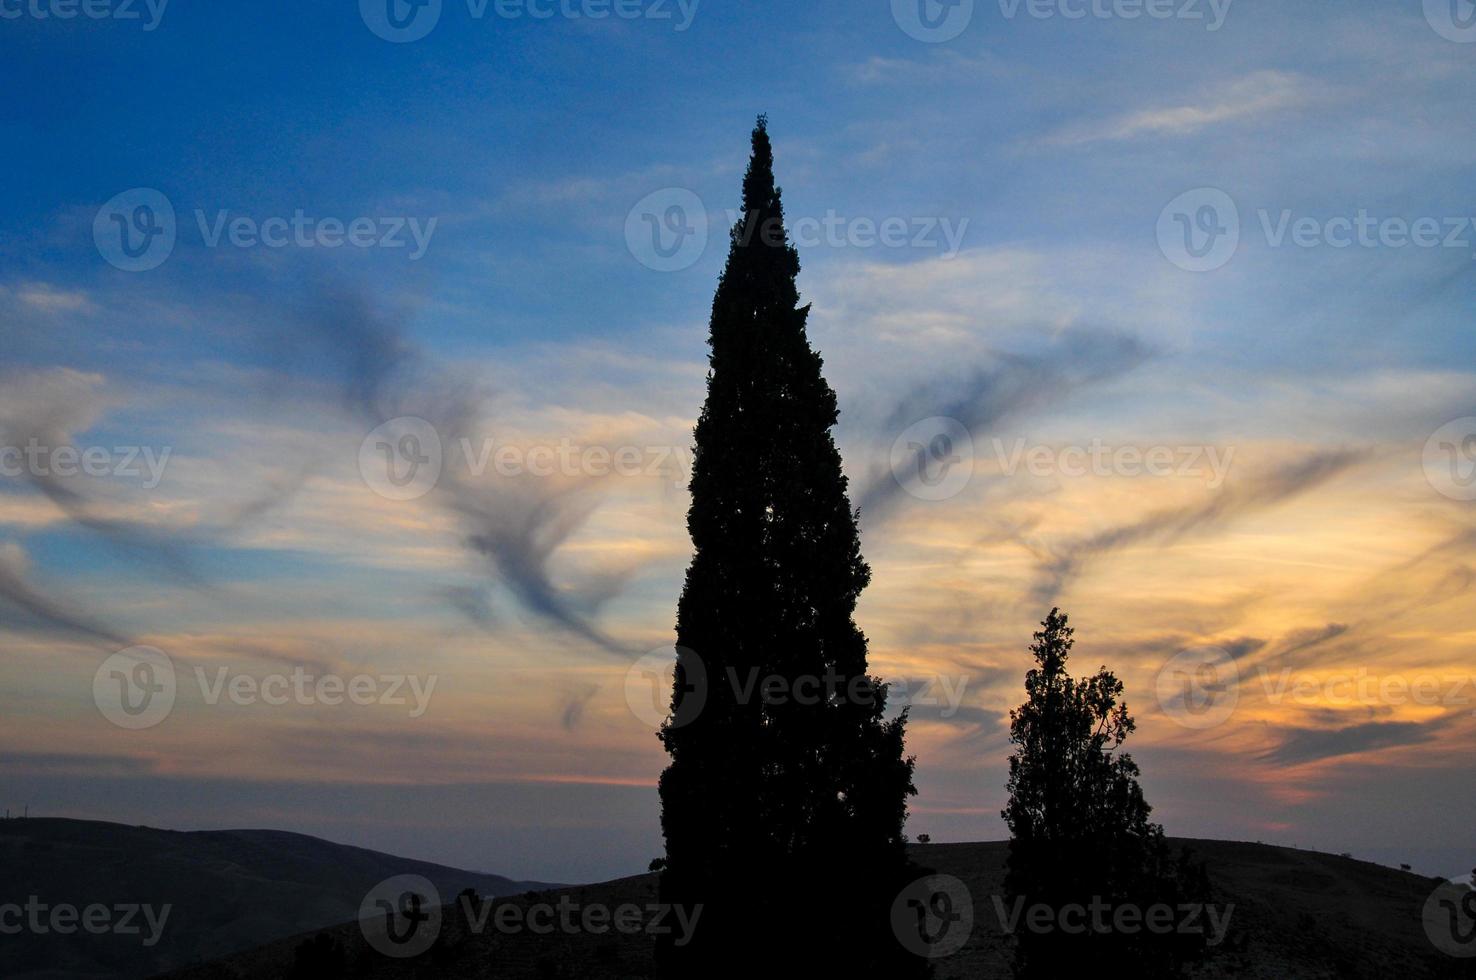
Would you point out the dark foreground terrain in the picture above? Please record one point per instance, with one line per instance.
(227, 891)
(1296, 914)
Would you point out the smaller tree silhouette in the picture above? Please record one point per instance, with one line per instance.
(1079, 829)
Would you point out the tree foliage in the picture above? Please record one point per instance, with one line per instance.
(1079, 825)
(799, 798)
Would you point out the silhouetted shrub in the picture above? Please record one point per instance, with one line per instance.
(320, 958)
(1079, 828)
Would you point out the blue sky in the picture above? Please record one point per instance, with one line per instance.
(1053, 148)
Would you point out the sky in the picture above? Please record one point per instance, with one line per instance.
(351, 354)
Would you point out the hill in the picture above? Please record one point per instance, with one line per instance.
(225, 890)
(1292, 914)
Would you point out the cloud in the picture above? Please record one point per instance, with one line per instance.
(49, 299)
(519, 536)
(1300, 641)
(49, 409)
(1170, 525)
(339, 358)
(574, 704)
(74, 764)
(1254, 96)
(24, 607)
(518, 525)
(1303, 745)
(1012, 385)
(1242, 646)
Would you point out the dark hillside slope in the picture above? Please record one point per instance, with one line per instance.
(1297, 914)
(227, 890)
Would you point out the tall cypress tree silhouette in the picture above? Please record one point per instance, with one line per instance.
(784, 801)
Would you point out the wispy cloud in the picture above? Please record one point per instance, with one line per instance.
(1254, 97)
(1013, 384)
(1061, 562)
(23, 606)
(49, 299)
(1298, 746)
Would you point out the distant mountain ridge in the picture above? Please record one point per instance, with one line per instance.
(1297, 915)
(226, 890)
(244, 901)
